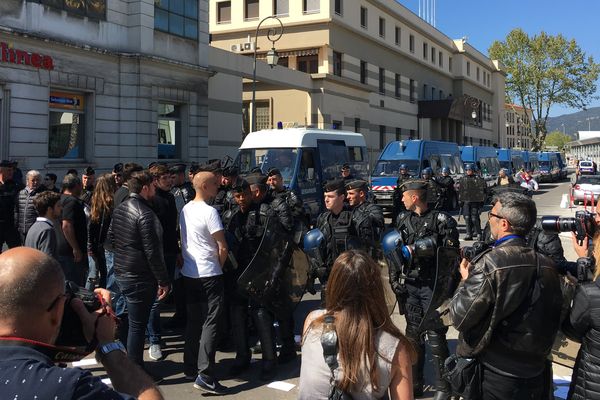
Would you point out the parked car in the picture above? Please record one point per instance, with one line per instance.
(586, 167)
(585, 187)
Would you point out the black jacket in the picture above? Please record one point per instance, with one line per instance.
(25, 212)
(508, 309)
(166, 210)
(136, 236)
(9, 194)
(97, 234)
(583, 325)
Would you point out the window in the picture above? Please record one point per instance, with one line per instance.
(433, 53)
(441, 59)
(425, 91)
(398, 134)
(363, 72)
(382, 139)
(66, 130)
(281, 7)
(337, 63)
(310, 6)
(283, 62)
(336, 125)
(308, 64)
(398, 86)
(477, 74)
(382, 27)
(412, 91)
(425, 50)
(306, 173)
(468, 68)
(250, 9)
(363, 17)
(450, 64)
(432, 93)
(223, 12)
(169, 130)
(357, 125)
(398, 35)
(338, 7)
(411, 43)
(412, 134)
(180, 17)
(381, 80)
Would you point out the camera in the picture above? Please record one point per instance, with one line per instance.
(71, 330)
(401, 255)
(582, 224)
(470, 252)
(422, 248)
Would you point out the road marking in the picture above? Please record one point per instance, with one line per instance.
(280, 385)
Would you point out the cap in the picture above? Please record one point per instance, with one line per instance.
(177, 168)
(89, 171)
(414, 185)
(345, 166)
(357, 184)
(118, 168)
(231, 171)
(273, 171)
(240, 185)
(6, 164)
(214, 167)
(333, 185)
(256, 179)
(194, 168)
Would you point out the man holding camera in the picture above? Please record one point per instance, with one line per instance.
(507, 307)
(32, 288)
(419, 222)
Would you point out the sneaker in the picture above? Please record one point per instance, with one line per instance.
(205, 385)
(155, 352)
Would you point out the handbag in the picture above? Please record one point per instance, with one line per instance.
(464, 376)
(329, 342)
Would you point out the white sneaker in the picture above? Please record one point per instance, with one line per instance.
(155, 352)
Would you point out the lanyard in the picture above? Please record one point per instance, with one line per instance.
(505, 238)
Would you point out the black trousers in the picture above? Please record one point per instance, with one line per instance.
(471, 212)
(10, 235)
(496, 386)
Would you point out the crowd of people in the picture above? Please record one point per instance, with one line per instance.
(222, 247)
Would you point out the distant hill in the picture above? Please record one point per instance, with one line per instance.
(575, 122)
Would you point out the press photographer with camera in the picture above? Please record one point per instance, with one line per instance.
(32, 305)
(507, 310)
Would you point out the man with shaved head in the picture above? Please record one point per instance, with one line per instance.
(32, 303)
(204, 252)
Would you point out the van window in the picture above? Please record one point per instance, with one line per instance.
(435, 164)
(307, 173)
(355, 154)
(450, 162)
(333, 154)
(489, 166)
(283, 159)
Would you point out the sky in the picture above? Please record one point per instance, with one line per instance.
(484, 21)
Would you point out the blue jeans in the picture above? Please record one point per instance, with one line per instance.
(139, 297)
(75, 272)
(153, 330)
(118, 301)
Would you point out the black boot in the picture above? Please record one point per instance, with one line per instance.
(264, 326)
(417, 372)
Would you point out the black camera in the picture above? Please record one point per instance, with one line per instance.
(71, 329)
(470, 252)
(583, 224)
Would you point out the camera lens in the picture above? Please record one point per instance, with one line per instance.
(553, 224)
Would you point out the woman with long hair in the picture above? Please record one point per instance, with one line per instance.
(374, 357)
(583, 326)
(100, 217)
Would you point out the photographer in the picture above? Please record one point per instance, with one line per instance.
(507, 307)
(32, 288)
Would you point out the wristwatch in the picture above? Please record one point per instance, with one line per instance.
(103, 350)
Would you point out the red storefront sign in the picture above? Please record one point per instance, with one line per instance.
(22, 57)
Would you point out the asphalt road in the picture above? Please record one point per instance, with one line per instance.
(248, 386)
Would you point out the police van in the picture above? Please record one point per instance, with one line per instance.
(550, 170)
(486, 160)
(306, 157)
(417, 155)
(510, 159)
(532, 163)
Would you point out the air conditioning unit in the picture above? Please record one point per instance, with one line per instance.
(235, 48)
(248, 46)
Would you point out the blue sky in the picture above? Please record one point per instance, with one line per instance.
(484, 21)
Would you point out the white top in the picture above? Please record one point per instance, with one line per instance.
(198, 222)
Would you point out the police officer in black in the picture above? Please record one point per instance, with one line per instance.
(224, 198)
(87, 179)
(448, 192)
(183, 190)
(470, 209)
(9, 192)
(346, 173)
(418, 222)
(434, 189)
(366, 216)
(403, 177)
(279, 191)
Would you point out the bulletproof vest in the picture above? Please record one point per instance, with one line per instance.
(220, 202)
(446, 181)
(433, 191)
(365, 226)
(403, 179)
(413, 227)
(8, 198)
(339, 233)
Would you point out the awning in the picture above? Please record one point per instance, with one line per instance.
(297, 53)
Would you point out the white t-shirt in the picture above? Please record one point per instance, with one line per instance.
(198, 222)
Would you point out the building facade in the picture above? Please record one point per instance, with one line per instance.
(376, 67)
(103, 81)
(518, 127)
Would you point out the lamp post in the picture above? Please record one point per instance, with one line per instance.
(473, 104)
(273, 34)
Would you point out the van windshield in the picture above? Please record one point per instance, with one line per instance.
(265, 159)
(392, 167)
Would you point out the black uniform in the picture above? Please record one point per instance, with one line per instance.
(434, 194)
(471, 210)
(448, 192)
(9, 192)
(418, 288)
(369, 223)
(183, 194)
(86, 195)
(397, 196)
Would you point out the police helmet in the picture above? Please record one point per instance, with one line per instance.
(470, 167)
(427, 171)
(313, 239)
(445, 170)
(403, 166)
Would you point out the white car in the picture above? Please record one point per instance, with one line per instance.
(585, 187)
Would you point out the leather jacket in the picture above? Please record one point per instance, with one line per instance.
(508, 309)
(136, 236)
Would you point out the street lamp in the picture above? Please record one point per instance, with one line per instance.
(472, 103)
(273, 34)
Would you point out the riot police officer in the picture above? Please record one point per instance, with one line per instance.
(471, 194)
(8, 198)
(403, 177)
(293, 201)
(415, 287)
(434, 189)
(346, 173)
(182, 188)
(224, 199)
(366, 216)
(449, 194)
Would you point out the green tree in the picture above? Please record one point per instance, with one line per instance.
(558, 139)
(543, 71)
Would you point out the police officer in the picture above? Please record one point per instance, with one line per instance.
(434, 189)
(87, 180)
(366, 216)
(224, 198)
(418, 222)
(403, 177)
(347, 173)
(337, 227)
(278, 190)
(470, 209)
(182, 188)
(8, 199)
(449, 194)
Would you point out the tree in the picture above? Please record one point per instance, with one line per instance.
(543, 71)
(558, 139)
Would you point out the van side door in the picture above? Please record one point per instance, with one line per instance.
(332, 155)
(309, 183)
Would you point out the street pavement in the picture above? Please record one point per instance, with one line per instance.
(285, 386)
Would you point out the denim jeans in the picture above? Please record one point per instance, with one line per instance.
(75, 272)
(204, 306)
(96, 271)
(153, 330)
(118, 301)
(139, 297)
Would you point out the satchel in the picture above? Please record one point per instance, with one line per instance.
(329, 342)
(464, 376)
